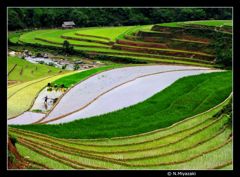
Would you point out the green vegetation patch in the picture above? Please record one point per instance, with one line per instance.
(186, 97)
(215, 23)
(21, 96)
(26, 71)
(14, 36)
(212, 22)
(108, 32)
(32, 155)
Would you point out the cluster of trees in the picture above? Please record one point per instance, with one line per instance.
(223, 50)
(21, 18)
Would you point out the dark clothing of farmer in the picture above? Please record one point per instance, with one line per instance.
(45, 99)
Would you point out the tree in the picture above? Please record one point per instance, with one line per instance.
(79, 17)
(224, 58)
(15, 20)
(67, 48)
(161, 15)
(223, 50)
(20, 18)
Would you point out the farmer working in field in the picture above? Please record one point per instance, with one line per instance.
(45, 99)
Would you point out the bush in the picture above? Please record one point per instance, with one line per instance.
(227, 109)
(82, 54)
(67, 48)
(38, 55)
(51, 64)
(49, 89)
(118, 59)
(37, 110)
(13, 139)
(224, 58)
(41, 62)
(11, 157)
(223, 51)
(64, 66)
(76, 67)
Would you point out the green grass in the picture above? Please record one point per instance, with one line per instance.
(25, 152)
(51, 35)
(187, 154)
(102, 34)
(114, 52)
(109, 32)
(168, 50)
(30, 71)
(193, 141)
(206, 161)
(179, 129)
(147, 160)
(203, 22)
(173, 24)
(71, 80)
(140, 138)
(79, 35)
(59, 41)
(202, 147)
(186, 97)
(228, 167)
(157, 146)
(212, 22)
(14, 36)
(168, 59)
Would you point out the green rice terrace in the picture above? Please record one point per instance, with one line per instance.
(168, 43)
(160, 99)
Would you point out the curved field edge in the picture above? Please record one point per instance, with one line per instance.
(198, 152)
(27, 153)
(56, 35)
(200, 22)
(207, 160)
(26, 71)
(22, 98)
(178, 142)
(73, 79)
(180, 126)
(186, 97)
(84, 158)
(68, 79)
(36, 143)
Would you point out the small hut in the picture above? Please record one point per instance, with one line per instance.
(68, 24)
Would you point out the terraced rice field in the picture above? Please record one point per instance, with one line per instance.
(21, 96)
(22, 70)
(130, 41)
(95, 102)
(185, 98)
(194, 142)
(15, 93)
(214, 23)
(182, 146)
(158, 117)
